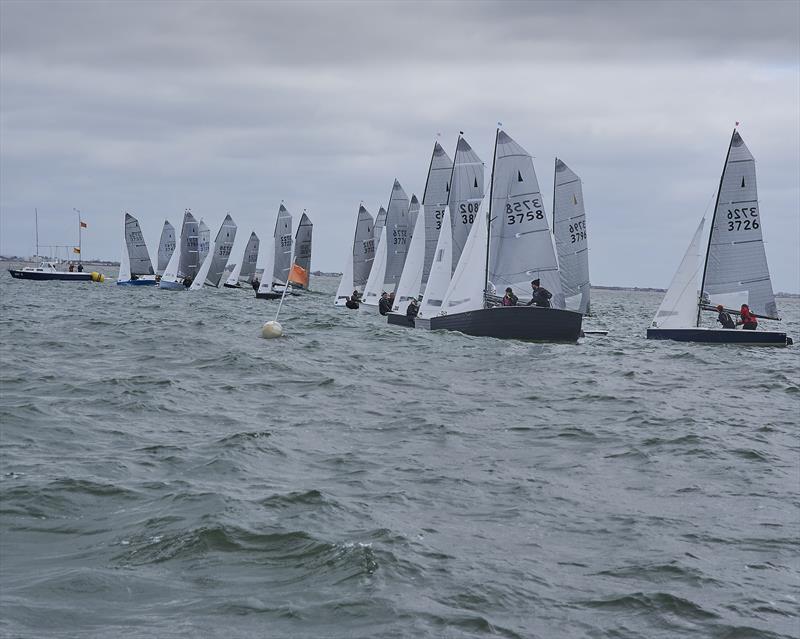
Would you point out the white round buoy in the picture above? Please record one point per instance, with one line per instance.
(271, 329)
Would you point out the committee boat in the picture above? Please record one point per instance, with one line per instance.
(507, 250)
(734, 271)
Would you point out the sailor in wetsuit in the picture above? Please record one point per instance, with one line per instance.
(540, 295)
(724, 317)
(384, 305)
(412, 311)
(353, 301)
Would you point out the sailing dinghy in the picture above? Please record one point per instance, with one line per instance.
(301, 265)
(411, 280)
(374, 286)
(183, 264)
(509, 249)
(735, 270)
(245, 270)
(276, 270)
(358, 262)
(135, 267)
(210, 272)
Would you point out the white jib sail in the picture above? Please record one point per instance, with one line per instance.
(465, 292)
(166, 246)
(521, 247)
(679, 307)
(736, 265)
(434, 202)
(200, 279)
(569, 230)
(374, 286)
(346, 286)
(138, 256)
(466, 195)
(233, 278)
(203, 241)
(439, 276)
(124, 264)
(411, 280)
(413, 212)
(223, 244)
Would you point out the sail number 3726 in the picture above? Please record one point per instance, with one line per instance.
(743, 219)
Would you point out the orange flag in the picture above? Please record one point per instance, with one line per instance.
(299, 276)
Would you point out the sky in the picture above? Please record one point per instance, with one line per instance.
(154, 107)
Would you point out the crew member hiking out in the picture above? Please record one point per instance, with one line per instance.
(384, 305)
(540, 296)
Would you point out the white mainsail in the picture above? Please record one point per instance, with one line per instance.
(397, 236)
(202, 273)
(188, 264)
(363, 253)
(466, 289)
(203, 241)
(521, 247)
(439, 276)
(466, 194)
(678, 309)
(346, 285)
(283, 246)
(223, 244)
(138, 256)
(374, 286)
(411, 280)
(434, 202)
(265, 285)
(736, 270)
(166, 246)
(569, 231)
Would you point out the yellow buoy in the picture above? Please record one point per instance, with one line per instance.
(271, 329)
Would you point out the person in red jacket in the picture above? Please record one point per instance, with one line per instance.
(748, 321)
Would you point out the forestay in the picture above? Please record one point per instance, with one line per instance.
(466, 194)
(363, 250)
(521, 248)
(736, 270)
(411, 279)
(223, 244)
(397, 236)
(166, 246)
(283, 246)
(679, 307)
(374, 285)
(439, 276)
(138, 257)
(569, 229)
(434, 203)
(188, 263)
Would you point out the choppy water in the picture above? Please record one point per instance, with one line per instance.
(166, 472)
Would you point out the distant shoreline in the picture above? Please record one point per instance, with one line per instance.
(632, 289)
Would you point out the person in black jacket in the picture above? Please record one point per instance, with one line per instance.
(724, 318)
(413, 310)
(384, 305)
(540, 295)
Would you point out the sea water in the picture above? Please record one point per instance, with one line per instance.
(168, 473)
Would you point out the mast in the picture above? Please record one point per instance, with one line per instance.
(489, 217)
(711, 231)
(80, 254)
(554, 196)
(36, 214)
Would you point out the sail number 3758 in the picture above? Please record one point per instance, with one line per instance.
(519, 212)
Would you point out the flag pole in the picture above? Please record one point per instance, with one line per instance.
(80, 253)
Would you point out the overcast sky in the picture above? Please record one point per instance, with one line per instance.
(153, 107)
